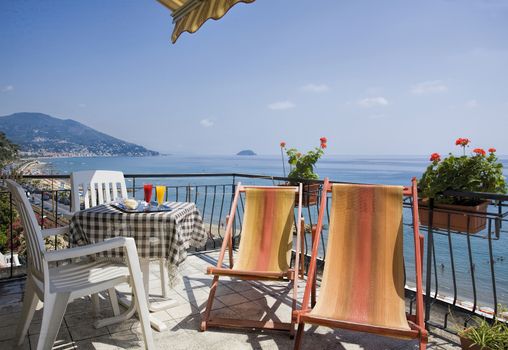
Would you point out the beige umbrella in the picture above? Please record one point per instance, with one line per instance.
(189, 15)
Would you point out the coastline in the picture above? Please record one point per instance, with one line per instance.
(36, 167)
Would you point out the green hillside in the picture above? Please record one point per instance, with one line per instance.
(43, 135)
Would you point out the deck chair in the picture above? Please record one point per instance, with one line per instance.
(265, 248)
(56, 286)
(362, 285)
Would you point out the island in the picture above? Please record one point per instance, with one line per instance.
(246, 152)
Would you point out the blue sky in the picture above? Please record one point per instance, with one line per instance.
(375, 77)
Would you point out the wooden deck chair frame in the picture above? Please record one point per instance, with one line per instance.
(289, 275)
(415, 321)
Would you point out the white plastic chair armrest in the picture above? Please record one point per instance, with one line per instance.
(76, 252)
(55, 231)
(69, 215)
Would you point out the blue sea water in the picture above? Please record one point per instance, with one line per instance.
(395, 170)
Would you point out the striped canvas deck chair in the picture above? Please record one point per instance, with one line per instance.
(265, 248)
(362, 285)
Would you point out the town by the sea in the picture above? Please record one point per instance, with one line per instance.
(395, 170)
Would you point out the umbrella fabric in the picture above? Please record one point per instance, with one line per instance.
(189, 15)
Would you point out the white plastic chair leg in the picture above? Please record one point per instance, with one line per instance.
(53, 312)
(96, 304)
(143, 314)
(114, 301)
(140, 296)
(30, 301)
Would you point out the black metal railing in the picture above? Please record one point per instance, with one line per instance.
(465, 273)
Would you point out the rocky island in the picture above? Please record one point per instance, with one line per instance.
(246, 152)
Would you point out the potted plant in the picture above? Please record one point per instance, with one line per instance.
(301, 168)
(484, 335)
(477, 172)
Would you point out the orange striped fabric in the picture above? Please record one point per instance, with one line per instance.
(267, 237)
(363, 278)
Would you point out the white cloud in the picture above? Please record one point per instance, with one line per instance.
(429, 87)
(7, 88)
(372, 102)
(317, 88)
(281, 105)
(472, 104)
(206, 123)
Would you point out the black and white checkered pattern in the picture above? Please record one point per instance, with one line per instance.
(159, 235)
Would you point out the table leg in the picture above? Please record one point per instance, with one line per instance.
(157, 324)
(145, 271)
(164, 278)
(117, 319)
(162, 304)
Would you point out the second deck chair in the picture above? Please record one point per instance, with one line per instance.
(362, 285)
(265, 248)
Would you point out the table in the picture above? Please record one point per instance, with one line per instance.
(165, 236)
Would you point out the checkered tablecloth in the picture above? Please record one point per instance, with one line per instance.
(160, 235)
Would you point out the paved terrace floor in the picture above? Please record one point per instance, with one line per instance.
(237, 299)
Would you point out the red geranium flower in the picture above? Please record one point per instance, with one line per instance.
(462, 142)
(282, 144)
(492, 150)
(323, 145)
(323, 140)
(435, 157)
(479, 151)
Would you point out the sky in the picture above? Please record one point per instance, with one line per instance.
(374, 77)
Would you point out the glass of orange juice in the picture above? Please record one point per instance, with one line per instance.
(160, 191)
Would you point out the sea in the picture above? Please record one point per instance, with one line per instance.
(395, 170)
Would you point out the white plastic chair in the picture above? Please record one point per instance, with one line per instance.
(57, 286)
(96, 187)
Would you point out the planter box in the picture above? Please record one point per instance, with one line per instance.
(467, 344)
(309, 195)
(458, 216)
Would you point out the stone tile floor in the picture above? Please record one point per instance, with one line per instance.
(236, 299)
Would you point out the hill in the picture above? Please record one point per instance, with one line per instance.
(39, 134)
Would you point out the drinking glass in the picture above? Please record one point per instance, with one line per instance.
(160, 191)
(148, 192)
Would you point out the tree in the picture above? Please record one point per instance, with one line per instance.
(8, 151)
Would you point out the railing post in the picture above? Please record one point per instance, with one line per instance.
(11, 219)
(430, 244)
(55, 215)
(233, 190)
(42, 210)
(499, 218)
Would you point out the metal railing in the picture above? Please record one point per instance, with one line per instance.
(464, 273)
